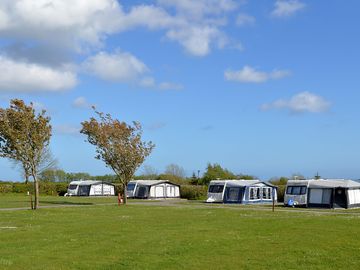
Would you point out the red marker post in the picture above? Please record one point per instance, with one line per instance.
(119, 199)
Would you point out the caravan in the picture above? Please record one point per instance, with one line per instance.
(90, 188)
(152, 189)
(328, 193)
(241, 191)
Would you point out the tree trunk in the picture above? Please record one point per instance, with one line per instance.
(36, 191)
(124, 193)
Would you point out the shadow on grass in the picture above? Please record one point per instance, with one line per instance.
(65, 203)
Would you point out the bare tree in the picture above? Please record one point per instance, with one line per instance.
(24, 137)
(150, 172)
(175, 170)
(118, 144)
(48, 162)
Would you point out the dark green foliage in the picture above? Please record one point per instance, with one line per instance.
(173, 178)
(191, 192)
(62, 176)
(281, 192)
(280, 182)
(215, 171)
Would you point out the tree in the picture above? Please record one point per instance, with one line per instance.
(47, 162)
(78, 176)
(215, 171)
(175, 170)
(118, 144)
(25, 137)
(279, 181)
(149, 172)
(53, 175)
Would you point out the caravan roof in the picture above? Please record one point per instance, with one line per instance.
(151, 182)
(326, 183)
(88, 182)
(239, 183)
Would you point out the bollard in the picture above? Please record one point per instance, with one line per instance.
(119, 199)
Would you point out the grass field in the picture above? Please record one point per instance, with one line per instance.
(179, 236)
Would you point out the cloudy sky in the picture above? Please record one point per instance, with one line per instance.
(267, 87)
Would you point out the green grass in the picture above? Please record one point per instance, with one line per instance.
(21, 200)
(192, 236)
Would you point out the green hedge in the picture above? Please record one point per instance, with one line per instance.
(46, 188)
(193, 192)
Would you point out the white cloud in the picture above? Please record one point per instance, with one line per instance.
(116, 67)
(170, 86)
(199, 8)
(250, 75)
(82, 103)
(73, 21)
(27, 77)
(300, 103)
(244, 19)
(81, 25)
(198, 40)
(286, 8)
(148, 82)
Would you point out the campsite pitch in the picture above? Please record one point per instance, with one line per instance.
(188, 236)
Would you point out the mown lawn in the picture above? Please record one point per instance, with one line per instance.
(22, 200)
(177, 237)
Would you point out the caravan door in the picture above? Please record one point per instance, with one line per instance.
(159, 192)
(340, 198)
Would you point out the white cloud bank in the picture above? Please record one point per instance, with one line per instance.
(300, 103)
(80, 27)
(82, 103)
(250, 75)
(116, 67)
(79, 24)
(287, 8)
(27, 77)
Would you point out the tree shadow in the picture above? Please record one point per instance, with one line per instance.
(65, 203)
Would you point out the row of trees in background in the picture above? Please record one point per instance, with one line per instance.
(25, 138)
(173, 172)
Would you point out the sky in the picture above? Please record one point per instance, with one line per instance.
(268, 87)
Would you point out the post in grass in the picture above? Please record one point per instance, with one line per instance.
(273, 199)
(120, 200)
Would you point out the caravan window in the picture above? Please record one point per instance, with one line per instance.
(254, 193)
(296, 190)
(267, 192)
(72, 187)
(130, 187)
(216, 188)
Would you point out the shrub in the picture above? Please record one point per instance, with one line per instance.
(281, 192)
(193, 192)
(45, 188)
(5, 188)
(22, 187)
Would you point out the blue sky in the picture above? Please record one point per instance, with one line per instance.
(267, 88)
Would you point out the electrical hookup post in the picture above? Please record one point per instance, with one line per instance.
(273, 199)
(120, 199)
